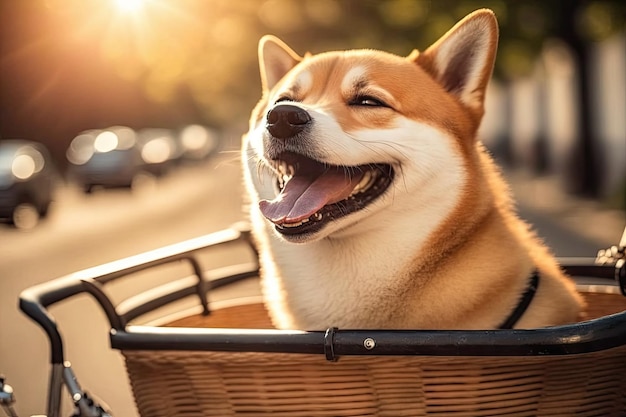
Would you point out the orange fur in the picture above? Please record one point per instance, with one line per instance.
(443, 247)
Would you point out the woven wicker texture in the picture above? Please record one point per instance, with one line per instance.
(224, 384)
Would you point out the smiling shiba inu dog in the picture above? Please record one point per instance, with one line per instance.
(373, 203)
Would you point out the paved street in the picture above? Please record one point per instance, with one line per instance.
(85, 231)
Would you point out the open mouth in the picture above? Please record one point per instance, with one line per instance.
(313, 193)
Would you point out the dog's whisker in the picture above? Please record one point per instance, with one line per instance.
(234, 158)
(397, 147)
(261, 169)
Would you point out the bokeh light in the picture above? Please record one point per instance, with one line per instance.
(28, 161)
(194, 137)
(156, 150)
(126, 137)
(81, 148)
(23, 167)
(106, 142)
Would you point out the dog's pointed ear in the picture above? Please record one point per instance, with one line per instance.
(462, 60)
(275, 60)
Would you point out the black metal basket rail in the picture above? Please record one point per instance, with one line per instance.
(594, 335)
(35, 300)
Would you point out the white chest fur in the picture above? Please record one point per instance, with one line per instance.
(356, 278)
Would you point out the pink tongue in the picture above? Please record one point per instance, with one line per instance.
(303, 196)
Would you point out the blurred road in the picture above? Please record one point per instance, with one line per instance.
(87, 230)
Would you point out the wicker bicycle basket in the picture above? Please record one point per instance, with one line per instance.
(231, 362)
(248, 383)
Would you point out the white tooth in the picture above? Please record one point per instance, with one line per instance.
(363, 184)
(318, 216)
(365, 180)
(300, 223)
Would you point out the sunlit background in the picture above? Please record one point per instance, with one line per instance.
(134, 109)
(72, 65)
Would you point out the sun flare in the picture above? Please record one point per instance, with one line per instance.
(130, 6)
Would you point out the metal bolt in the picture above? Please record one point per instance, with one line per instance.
(369, 343)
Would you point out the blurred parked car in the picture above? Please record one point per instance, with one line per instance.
(197, 142)
(27, 182)
(109, 158)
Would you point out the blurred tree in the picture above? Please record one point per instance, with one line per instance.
(578, 23)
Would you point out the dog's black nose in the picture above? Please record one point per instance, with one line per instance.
(285, 121)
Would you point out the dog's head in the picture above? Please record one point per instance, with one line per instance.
(339, 135)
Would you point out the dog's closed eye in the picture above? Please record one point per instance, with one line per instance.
(368, 101)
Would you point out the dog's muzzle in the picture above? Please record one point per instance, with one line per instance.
(286, 121)
(311, 193)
